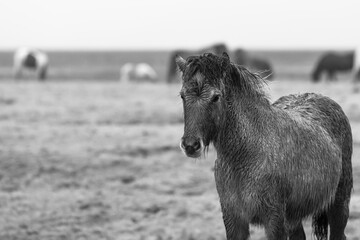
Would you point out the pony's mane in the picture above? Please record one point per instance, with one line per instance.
(219, 70)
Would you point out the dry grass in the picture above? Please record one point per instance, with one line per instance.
(101, 161)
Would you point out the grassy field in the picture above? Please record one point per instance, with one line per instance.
(92, 160)
(100, 159)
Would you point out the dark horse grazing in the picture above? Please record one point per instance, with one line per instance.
(276, 163)
(172, 77)
(331, 63)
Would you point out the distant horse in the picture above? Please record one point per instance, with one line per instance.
(331, 63)
(262, 66)
(137, 72)
(172, 76)
(32, 59)
(276, 163)
(356, 68)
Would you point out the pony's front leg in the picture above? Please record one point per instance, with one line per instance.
(297, 233)
(236, 228)
(275, 227)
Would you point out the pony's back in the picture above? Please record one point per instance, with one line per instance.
(326, 113)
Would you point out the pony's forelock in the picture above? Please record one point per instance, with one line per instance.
(219, 71)
(209, 65)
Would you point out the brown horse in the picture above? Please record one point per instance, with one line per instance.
(276, 163)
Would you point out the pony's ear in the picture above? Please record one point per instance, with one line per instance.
(225, 62)
(225, 55)
(180, 62)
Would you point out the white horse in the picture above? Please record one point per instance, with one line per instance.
(137, 72)
(33, 59)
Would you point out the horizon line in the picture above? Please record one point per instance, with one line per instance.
(100, 49)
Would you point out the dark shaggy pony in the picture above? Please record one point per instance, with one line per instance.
(276, 163)
(172, 76)
(331, 63)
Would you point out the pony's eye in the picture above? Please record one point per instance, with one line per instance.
(182, 96)
(215, 98)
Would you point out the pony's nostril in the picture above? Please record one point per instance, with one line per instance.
(196, 145)
(190, 150)
(190, 145)
(193, 147)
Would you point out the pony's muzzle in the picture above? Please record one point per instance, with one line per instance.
(191, 147)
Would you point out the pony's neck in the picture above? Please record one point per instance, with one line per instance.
(244, 126)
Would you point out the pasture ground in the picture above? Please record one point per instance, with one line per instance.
(92, 160)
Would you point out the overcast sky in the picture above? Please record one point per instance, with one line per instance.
(167, 24)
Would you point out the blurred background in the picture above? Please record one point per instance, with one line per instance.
(91, 118)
